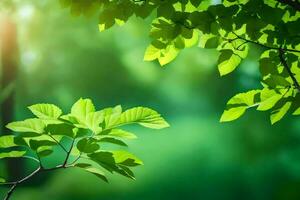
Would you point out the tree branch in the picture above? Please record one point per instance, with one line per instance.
(293, 3)
(15, 184)
(37, 171)
(265, 46)
(285, 65)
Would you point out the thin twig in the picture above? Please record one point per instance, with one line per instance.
(15, 184)
(39, 159)
(242, 38)
(264, 46)
(37, 171)
(32, 158)
(285, 65)
(238, 47)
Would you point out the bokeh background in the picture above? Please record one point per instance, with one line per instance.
(63, 58)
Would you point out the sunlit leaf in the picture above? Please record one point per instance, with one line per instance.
(45, 111)
(278, 114)
(143, 116)
(238, 104)
(7, 141)
(82, 108)
(28, 125)
(228, 61)
(97, 172)
(12, 154)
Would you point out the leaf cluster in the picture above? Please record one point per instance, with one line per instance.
(81, 134)
(231, 27)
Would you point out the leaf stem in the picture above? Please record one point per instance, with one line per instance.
(58, 143)
(68, 153)
(76, 159)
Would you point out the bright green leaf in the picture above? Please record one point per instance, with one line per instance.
(278, 114)
(12, 154)
(7, 141)
(82, 108)
(28, 125)
(227, 62)
(143, 116)
(238, 104)
(45, 111)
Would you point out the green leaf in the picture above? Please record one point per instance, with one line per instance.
(233, 114)
(125, 158)
(189, 42)
(45, 111)
(111, 140)
(278, 114)
(112, 116)
(208, 41)
(112, 158)
(151, 53)
(2, 180)
(88, 168)
(44, 151)
(88, 145)
(12, 154)
(275, 81)
(227, 62)
(297, 111)
(36, 144)
(83, 115)
(143, 116)
(116, 161)
(167, 55)
(82, 108)
(7, 141)
(268, 99)
(238, 104)
(121, 134)
(93, 121)
(60, 129)
(28, 125)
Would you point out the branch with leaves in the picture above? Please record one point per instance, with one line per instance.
(84, 130)
(231, 27)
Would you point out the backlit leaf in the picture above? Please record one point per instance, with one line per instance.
(45, 111)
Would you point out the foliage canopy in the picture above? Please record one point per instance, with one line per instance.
(231, 27)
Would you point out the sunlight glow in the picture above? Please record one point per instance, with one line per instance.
(26, 12)
(27, 59)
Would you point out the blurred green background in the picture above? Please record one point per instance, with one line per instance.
(63, 58)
